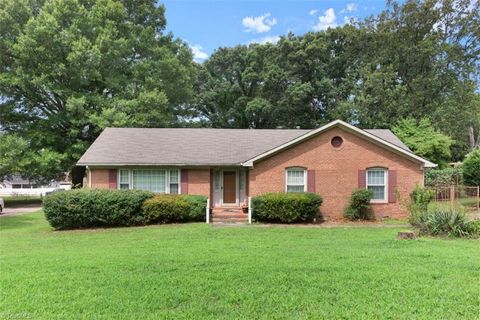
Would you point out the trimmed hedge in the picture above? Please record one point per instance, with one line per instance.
(286, 207)
(82, 208)
(175, 208)
(20, 200)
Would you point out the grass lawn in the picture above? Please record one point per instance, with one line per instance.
(198, 271)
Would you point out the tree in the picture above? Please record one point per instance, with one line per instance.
(471, 168)
(421, 59)
(296, 82)
(424, 140)
(415, 59)
(69, 68)
(18, 158)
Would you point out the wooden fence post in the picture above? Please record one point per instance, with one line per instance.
(452, 195)
(478, 197)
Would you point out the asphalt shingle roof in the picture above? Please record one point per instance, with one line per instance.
(190, 146)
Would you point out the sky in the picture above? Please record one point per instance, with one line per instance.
(208, 25)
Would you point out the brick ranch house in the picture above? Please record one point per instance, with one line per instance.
(230, 165)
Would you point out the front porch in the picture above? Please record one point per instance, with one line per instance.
(229, 187)
(229, 195)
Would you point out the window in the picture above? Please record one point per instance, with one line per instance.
(377, 182)
(155, 180)
(151, 180)
(174, 177)
(124, 180)
(336, 142)
(296, 180)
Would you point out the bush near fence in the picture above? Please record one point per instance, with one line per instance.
(443, 177)
(442, 220)
(18, 201)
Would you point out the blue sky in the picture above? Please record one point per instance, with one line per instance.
(207, 25)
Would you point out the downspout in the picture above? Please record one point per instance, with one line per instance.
(89, 177)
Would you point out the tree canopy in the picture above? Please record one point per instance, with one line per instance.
(424, 140)
(69, 68)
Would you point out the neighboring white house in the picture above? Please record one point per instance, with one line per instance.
(16, 185)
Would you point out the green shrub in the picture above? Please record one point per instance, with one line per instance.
(82, 208)
(21, 200)
(420, 199)
(443, 177)
(471, 168)
(446, 221)
(198, 207)
(175, 208)
(359, 205)
(286, 207)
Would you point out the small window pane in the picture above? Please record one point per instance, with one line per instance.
(173, 188)
(295, 176)
(295, 188)
(174, 176)
(376, 177)
(378, 192)
(124, 186)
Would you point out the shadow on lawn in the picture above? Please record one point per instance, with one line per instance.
(20, 221)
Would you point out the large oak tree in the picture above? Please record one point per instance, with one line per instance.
(69, 68)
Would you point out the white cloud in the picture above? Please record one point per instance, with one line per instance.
(198, 54)
(267, 39)
(329, 20)
(313, 12)
(351, 7)
(259, 24)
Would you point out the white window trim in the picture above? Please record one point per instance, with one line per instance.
(385, 177)
(304, 178)
(167, 178)
(129, 178)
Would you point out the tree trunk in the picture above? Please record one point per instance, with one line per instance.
(471, 139)
(77, 175)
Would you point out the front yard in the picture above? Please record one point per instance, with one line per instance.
(198, 271)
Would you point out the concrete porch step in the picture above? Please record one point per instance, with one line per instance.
(229, 215)
(229, 220)
(227, 209)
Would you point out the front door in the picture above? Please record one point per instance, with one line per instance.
(229, 187)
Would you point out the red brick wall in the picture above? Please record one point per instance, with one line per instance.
(100, 178)
(336, 171)
(198, 180)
